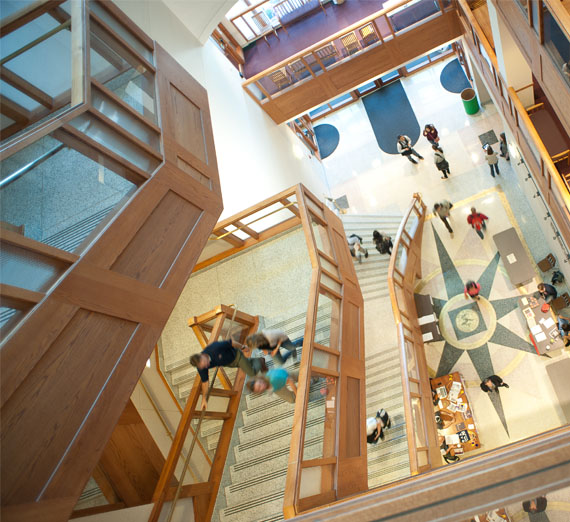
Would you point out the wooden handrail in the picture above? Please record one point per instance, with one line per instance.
(325, 41)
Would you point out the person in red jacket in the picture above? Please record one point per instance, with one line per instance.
(477, 221)
(472, 290)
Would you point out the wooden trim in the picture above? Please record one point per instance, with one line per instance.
(18, 298)
(26, 87)
(331, 275)
(327, 257)
(26, 15)
(325, 498)
(7, 236)
(97, 510)
(325, 461)
(190, 490)
(329, 292)
(214, 415)
(324, 371)
(323, 348)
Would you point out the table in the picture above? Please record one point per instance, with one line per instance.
(514, 256)
(540, 324)
(429, 324)
(458, 426)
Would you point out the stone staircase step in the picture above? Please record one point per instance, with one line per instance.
(268, 505)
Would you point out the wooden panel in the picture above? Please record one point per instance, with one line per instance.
(150, 254)
(188, 125)
(351, 321)
(350, 434)
(88, 336)
(131, 460)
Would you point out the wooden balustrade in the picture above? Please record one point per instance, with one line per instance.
(324, 77)
(404, 267)
(538, 160)
(341, 467)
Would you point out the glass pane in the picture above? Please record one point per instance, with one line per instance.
(123, 75)
(122, 31)
(366, 87)
(321, 418)
(403, 16)
(8, 318)
(535, 8)
(61, 197)
(327, 265)
(422, 60)
(316, 480)
(390, 76)
(319, 111)
(422, 458)
(325, 360)
(24, 269)
(322, 238)
(414, 387)
(341, 100)
(411, 360)
(316, 208)
(419, 431)
(330, 283)
(37, 67)
(522, 5)
(328, 322)
(556, 44)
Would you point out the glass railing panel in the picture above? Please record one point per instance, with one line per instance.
(412, 13)
(535, 8)
(414, 387)
(322, 238)
(269, 216)
(557, 43)
(37, 63)
(324, 360)
(60, 196)
(411, 360)
(110, 108)
(316, 480)
(121, 31)
(330, 283)
(9, 317)
(327, 265)
(109, 138)
(255, 91)
(123, 75)
(419, 425)
(328, 322)
(530, 141)
(320, 426)
(25, 269)
(522, 5)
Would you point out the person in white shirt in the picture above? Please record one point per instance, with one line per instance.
(270, 342)
(375, 425)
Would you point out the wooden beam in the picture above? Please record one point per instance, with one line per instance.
(13, 110)
(13, 238)
(26, 87)
(215, 415)
(247, 230)
(27, 14)
(229, 237)
(105, 485)
(97, 510)
(190, 490)
(18, 298)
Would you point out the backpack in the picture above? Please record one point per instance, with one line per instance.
(557, 277)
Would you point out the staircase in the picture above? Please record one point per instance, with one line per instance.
(372, 272)
(388, 460)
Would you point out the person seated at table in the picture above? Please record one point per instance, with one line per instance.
(375, 425)
(447, 453)
(548, 292)
(536, 505)
(279, 380)
(493, 382)
(472, 290)
(564, 329)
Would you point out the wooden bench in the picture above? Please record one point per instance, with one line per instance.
(289, 11)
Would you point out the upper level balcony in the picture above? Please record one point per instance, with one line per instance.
(299, 54)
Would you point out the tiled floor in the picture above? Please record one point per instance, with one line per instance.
(376, 182)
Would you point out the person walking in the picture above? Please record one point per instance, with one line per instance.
(431, 134)
(443, 211)
(375, 426)
(504, 147)
(440, 161)
(270, 342)
(224, 353)
(279, 380)
(383, 243)
(477, 221)
(492, 160)
(405, 148)
(493, 382)
(355, 246)
(472, 290)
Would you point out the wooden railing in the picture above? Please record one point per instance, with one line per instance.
(311, 77)
(552, 185)
(251, 226)
(338, 468)
(209, 327)
(404, 268)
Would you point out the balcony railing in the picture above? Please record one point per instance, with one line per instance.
(385, 31)
(552, 184)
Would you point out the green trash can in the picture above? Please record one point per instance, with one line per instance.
(470, 103)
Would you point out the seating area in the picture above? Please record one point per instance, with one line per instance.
(290, 11)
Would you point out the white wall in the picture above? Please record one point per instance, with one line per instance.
(256, 158)
(184, 512)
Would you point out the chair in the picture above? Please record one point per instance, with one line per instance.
(299, 69)
(547, 263)
(263, 25)
(280, 78)
(561, 302)
(350, 43)
(327, 54)
(368, 35)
